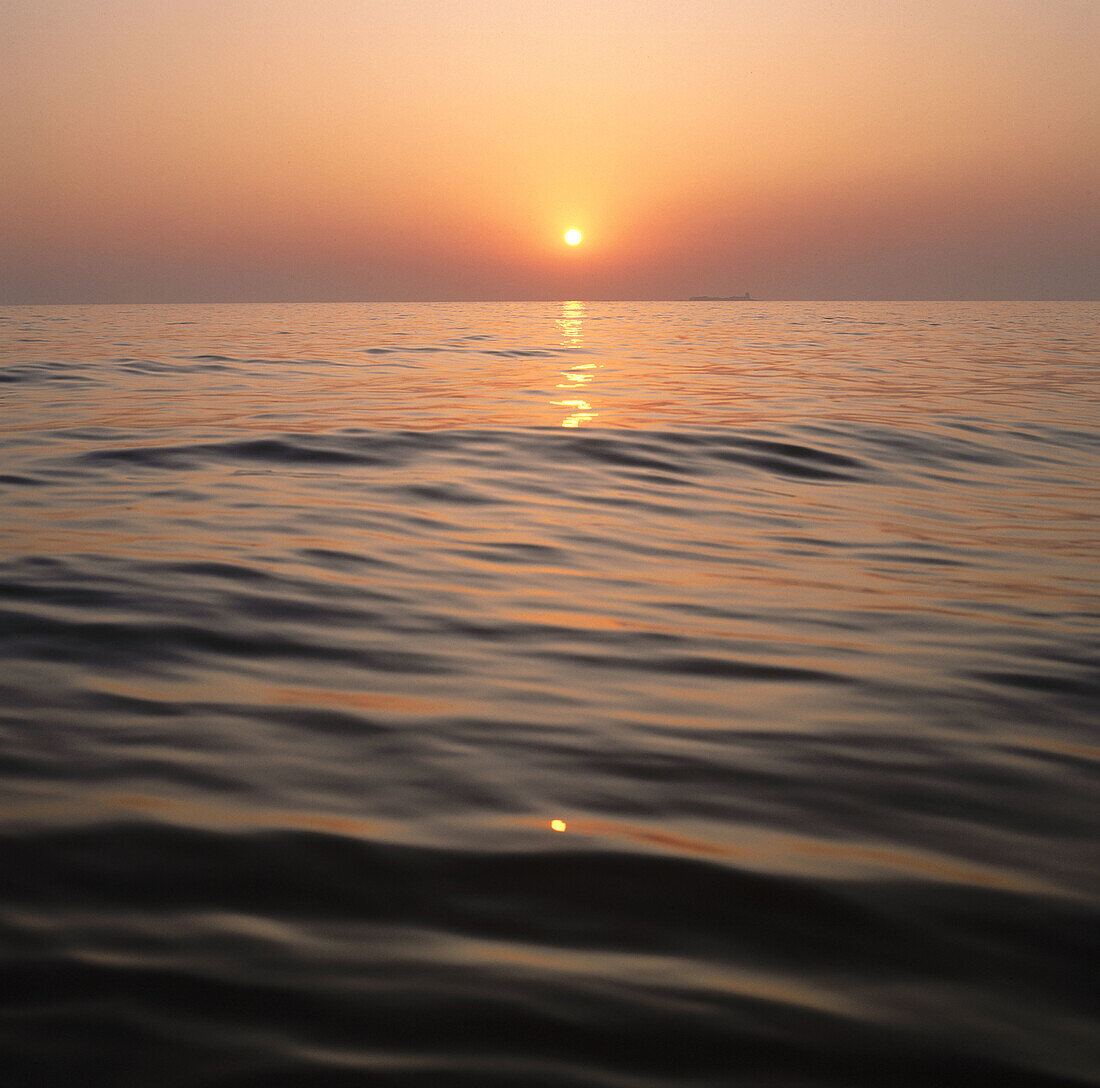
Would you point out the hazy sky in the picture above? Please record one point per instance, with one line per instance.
(215, 150)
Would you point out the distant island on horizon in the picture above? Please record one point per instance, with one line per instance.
(746, 297)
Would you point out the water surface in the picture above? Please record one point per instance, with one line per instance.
(313, 618)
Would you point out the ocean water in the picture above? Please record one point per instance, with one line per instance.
(317, 623)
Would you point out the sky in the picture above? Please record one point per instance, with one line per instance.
(375, 150)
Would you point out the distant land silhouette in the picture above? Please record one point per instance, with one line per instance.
(721, 298)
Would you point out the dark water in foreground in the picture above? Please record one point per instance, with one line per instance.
(313, 618)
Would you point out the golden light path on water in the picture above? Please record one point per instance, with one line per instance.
(571, 325)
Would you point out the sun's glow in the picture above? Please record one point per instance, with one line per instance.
(557, 825)
(573, 236)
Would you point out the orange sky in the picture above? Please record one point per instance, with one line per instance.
(215, 150)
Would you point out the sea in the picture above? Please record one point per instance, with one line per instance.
(550, 695)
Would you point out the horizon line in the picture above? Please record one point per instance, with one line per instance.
(531, 301)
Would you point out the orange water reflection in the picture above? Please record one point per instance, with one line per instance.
(579, 408)
(802, 853)
(571, 323)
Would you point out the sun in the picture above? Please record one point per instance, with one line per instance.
(573, 236)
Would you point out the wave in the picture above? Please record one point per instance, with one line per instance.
(278, 956)
(592, 695)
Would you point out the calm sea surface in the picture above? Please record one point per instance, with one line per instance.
(314, 618)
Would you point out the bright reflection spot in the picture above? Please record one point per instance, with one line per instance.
(571, 323)
(582, 412)
(578, 375)
(557, 825)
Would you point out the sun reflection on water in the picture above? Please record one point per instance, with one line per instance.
(581, 413)
(571, 325)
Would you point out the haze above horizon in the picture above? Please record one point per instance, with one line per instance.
(194, 151)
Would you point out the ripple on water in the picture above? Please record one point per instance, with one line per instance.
(785, 615)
